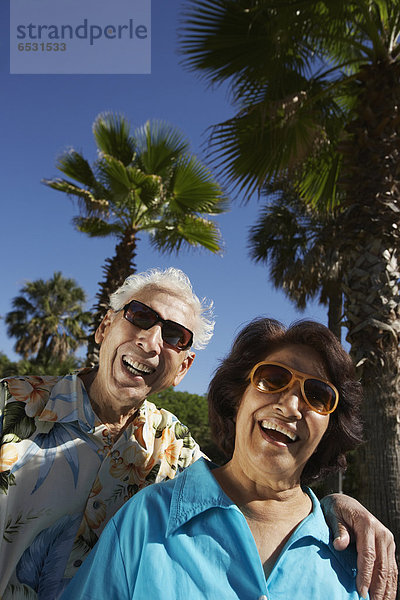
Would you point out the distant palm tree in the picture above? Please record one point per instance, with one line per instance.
(300, 245)
(48, 319)
(9, 368)
(148, 182)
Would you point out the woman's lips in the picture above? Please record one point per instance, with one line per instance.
(277, 433)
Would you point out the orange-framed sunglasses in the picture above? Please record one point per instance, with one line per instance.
(270, 377)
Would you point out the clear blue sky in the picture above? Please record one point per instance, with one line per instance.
(41, 115)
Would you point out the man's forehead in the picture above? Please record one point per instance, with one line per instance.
(155, 293)
(168, 303)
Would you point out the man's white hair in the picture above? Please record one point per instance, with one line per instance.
(176, 282)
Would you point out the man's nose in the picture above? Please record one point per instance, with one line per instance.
(151, 339)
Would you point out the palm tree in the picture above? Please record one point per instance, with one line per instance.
(317, 88)
(299, 244)
(147, 182)
(48, 319)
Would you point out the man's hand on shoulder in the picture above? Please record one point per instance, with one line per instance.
(376, 562)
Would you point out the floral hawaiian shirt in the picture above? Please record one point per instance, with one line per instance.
(61, 478)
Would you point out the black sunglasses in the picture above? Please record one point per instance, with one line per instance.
(270, 377)
(172, 333)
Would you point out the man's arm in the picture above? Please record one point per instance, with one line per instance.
(376, 562)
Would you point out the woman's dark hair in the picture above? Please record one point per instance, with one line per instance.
(254, 343)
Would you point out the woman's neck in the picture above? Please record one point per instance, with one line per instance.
(271, 511)
(247, 489)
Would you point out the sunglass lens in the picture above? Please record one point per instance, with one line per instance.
(319, 394)
(141, 317)
(270, 378)
(175, 335)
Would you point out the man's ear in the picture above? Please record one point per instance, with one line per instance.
(101, 331)
(184, 368)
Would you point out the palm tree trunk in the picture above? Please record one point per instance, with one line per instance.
(335, 311)
(371, 282)
(42, 355)
(374, 326)
(116, 270)
(373, 320)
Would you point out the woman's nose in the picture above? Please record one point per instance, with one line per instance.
(290, 400)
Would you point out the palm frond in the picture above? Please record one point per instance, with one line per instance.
(96, 227)
(192, 231)
(159, 145)
(225, 40)
(111, 132)
(90, 203)
(250, 150)
(72, 164)
(114, 175)
(297, 243)
(318, 186)
(192, 188)
(122, 180)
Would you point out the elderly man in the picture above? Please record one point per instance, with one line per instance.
(74, 449)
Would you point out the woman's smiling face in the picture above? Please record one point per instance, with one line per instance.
(276, 433)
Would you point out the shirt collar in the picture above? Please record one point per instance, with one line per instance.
(69, 402)
(314, 524)
(195, 491)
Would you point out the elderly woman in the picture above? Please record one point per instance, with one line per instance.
(284, 408)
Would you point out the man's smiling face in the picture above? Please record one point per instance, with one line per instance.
(136, 362)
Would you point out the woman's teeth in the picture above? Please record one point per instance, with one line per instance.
(270, 425)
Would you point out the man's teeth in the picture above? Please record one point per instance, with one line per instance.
(135, 367)
(270, 425)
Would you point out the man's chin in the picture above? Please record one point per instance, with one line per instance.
(132, 386)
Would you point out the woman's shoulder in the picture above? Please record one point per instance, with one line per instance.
(327, 569)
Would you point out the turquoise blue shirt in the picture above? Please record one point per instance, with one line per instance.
(184, 539)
